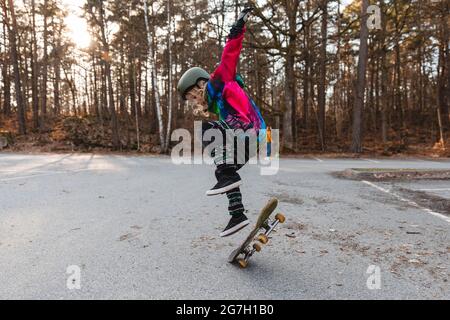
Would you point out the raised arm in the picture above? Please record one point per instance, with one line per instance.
(226, 71)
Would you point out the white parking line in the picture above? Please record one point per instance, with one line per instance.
(320, 160)
(370, 160)
(22, 170)
(412, 203)
(43, 174)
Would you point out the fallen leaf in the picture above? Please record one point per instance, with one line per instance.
(414, 261)
(291, 235)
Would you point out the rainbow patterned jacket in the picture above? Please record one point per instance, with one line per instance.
(226, 95)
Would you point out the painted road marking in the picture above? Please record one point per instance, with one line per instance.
(320, 160)
(370, 160)
(44, 174)
(410, 202)
(24, 170)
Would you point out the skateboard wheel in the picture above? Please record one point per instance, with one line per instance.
(263, 238)
(257, 247)
(280, 217)
(242, 263)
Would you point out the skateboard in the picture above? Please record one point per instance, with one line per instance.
(265, 225)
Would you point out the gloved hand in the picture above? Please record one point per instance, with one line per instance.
(243, 17)
(237, 27)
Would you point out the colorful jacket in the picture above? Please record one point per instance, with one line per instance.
(226, 95)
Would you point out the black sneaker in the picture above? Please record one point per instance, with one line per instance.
(225, 184)
(236, 223)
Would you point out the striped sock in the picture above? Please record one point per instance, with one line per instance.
(235, 206)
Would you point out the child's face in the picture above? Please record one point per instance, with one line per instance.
(196, 96)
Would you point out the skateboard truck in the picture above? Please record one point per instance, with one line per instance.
(265, 225)
(263, 238)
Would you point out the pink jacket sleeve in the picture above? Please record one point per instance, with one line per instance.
(226, 71)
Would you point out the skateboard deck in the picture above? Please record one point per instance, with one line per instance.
(265, 225)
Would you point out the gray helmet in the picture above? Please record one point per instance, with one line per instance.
(190, 79)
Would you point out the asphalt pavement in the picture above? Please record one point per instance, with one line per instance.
(128, 227)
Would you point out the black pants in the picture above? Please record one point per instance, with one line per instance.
(224, 166)
(229, 149)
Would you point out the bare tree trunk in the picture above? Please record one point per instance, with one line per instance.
(321, 94)
(154, 80)
(377, 91)
(97, 107)
(360, 82)
(443, 66)
(15, 61)
(114, 123)
(398, 85)
(122, 103)
(289, 127)
(371, 92)
(147, 112)
(338, 86)
(170, 106)
(132, 83)
(306, 93)
(316, 114)
(288, 130)
(104, 90)
(44, 64)
(154, 117)
(34, 70)
(397, 75)
(139, 88)
(441, 129)
(133, 93)
(86, 92)
(57, 71)
(107, 70)
(384, 78)
(6, 73)
(72, 88)
(23, 65)
(106, 61)
(306, 75)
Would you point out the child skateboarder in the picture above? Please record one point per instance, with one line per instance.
(222, 93)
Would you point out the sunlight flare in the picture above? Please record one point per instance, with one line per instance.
(78, 31)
